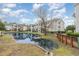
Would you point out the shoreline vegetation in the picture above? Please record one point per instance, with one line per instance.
(8, 47)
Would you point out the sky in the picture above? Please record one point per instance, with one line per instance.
(24, 12)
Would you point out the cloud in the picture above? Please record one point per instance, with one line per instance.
(25, 21)
(9, 5)
(53, 6)
(68, 20)
(6, 10)
(21, 11)
(59, 13)
(62, 10)
(66, 17)
(18, 13)
(36, 6)
(36, 20)
(57, 10)
(15, 14)
(2, 18)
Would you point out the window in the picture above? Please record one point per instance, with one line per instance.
(58, 26)
(58, 22)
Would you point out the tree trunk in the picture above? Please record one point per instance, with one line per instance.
(43, 29)
(44, 26)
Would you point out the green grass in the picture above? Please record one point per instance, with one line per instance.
(21, 50)
(63, 52)
(6, 39)
(25, 32)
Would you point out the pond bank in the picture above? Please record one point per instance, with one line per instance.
(9, 47)
(21, 50)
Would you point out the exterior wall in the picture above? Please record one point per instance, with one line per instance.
(39, 28)
(36, 28)
(60, 25)
(8, 27)
(13, 27)
(56, 25)
(24, 28)
(77, 17)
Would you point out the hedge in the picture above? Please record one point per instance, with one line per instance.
(73, 34)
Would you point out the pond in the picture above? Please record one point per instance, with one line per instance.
(34, 39)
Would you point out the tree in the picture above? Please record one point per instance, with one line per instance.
(70, 27)
(2, 26)
(41, 12)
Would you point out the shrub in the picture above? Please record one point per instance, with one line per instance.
(76, 34)
(70, 27)
(68, 32)
(2, 26)
(73, 34)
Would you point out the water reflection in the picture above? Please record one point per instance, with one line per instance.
(46, 44)
(34, 39)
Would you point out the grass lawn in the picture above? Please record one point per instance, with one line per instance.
(62, 51)
(20, 50)
(6, 39)
(24, 32)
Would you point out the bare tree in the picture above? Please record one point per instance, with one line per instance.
(41, 12)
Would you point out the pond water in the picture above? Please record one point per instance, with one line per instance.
(34, 39)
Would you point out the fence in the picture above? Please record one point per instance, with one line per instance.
(68, 40)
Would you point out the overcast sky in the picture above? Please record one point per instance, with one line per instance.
(23, 12)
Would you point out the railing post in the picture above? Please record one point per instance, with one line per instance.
(66, 40)
(71, 38)
(59, 37)
(62, 38)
